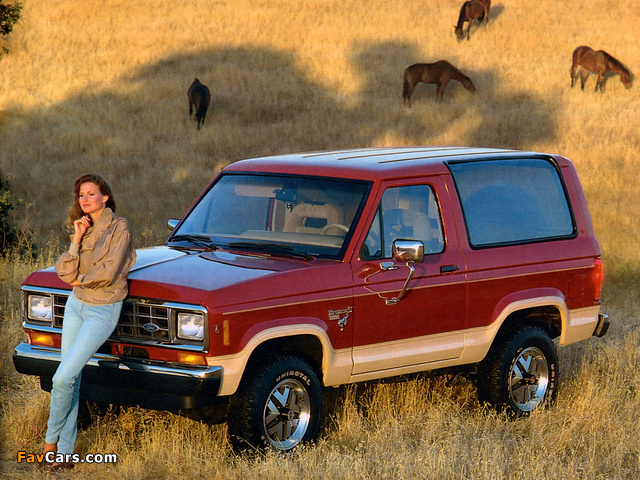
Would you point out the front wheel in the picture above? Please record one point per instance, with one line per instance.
(520, 373)
(278, 406)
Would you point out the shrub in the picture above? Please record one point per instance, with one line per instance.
(11, 237)
(9, 16)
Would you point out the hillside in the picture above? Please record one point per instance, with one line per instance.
(95, 86)
(90, 86)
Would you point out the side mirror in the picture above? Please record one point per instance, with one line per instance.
(408, 251)
(172, 223)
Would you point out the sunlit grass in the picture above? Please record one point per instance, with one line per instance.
(101, 86)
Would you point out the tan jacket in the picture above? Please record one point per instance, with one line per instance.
(101, 262)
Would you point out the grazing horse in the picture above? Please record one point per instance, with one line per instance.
(440, 73)
(471, 10)
(599, 62)
(199, 98)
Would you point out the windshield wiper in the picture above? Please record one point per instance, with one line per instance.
(271, 248)
(199, 240)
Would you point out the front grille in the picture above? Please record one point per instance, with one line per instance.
(144, 322)
(59, 302)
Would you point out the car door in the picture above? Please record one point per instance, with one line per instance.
(425, 326)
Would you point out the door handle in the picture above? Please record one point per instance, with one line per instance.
(449, 268)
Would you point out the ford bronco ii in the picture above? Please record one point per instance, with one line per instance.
(291, 274)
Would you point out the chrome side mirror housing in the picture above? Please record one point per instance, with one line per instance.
(408, 251)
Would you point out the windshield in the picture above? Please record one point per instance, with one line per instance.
(307, 216)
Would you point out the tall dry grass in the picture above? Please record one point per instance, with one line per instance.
(101, 86)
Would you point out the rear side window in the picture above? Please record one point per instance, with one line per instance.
(512, 201)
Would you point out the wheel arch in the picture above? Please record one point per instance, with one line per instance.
(548, 311)
(306, 346)
(543, 306)
(308, 341)
(548, 316)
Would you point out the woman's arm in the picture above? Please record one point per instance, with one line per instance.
(69, 262)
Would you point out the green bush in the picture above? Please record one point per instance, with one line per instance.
(11, 238)
(9, 16)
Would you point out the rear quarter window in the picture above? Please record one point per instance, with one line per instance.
(512, 201)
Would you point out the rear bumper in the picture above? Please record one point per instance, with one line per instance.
(128, 381)
(602, 326)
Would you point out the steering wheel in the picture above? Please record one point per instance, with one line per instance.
(338, 226)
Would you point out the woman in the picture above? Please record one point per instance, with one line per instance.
(96, 265)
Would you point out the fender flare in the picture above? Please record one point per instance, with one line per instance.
(336, 364)
(478, 341)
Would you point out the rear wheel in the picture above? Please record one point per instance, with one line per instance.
(278, 406)
(520, 372)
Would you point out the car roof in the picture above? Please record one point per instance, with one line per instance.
(372, 163)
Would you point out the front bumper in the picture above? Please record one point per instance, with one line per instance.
(128, 381)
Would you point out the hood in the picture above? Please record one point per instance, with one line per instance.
(170, 273)
(188, 276)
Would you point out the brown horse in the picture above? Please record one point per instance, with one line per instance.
(599, 62)
(470, 11)
(440, 73)
(199, 98)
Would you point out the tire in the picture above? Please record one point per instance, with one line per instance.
(520, 372)
(89, 412)
(277, 407)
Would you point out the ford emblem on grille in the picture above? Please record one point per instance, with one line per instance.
(151, 327)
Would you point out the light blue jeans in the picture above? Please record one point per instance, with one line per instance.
(85, 328)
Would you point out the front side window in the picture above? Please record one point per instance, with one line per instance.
(309, 216)
(512, 201)
(410, 213)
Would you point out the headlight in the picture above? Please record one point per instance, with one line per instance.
(40, 308)
(191, 326)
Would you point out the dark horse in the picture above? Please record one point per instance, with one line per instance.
(599, 62)
(199, 97)
(440, 73)
(470, 11)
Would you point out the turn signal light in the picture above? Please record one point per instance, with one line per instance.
(192, 358)
(42, 339)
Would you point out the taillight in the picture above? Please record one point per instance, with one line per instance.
(598, 277)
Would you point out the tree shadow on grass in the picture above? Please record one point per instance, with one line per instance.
(137, 133)
(517, 119)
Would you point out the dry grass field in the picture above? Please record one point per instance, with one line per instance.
(93, 86)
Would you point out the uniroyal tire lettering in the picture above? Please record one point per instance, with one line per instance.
(294, 373)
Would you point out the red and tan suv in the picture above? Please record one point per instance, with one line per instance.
(294, 273)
